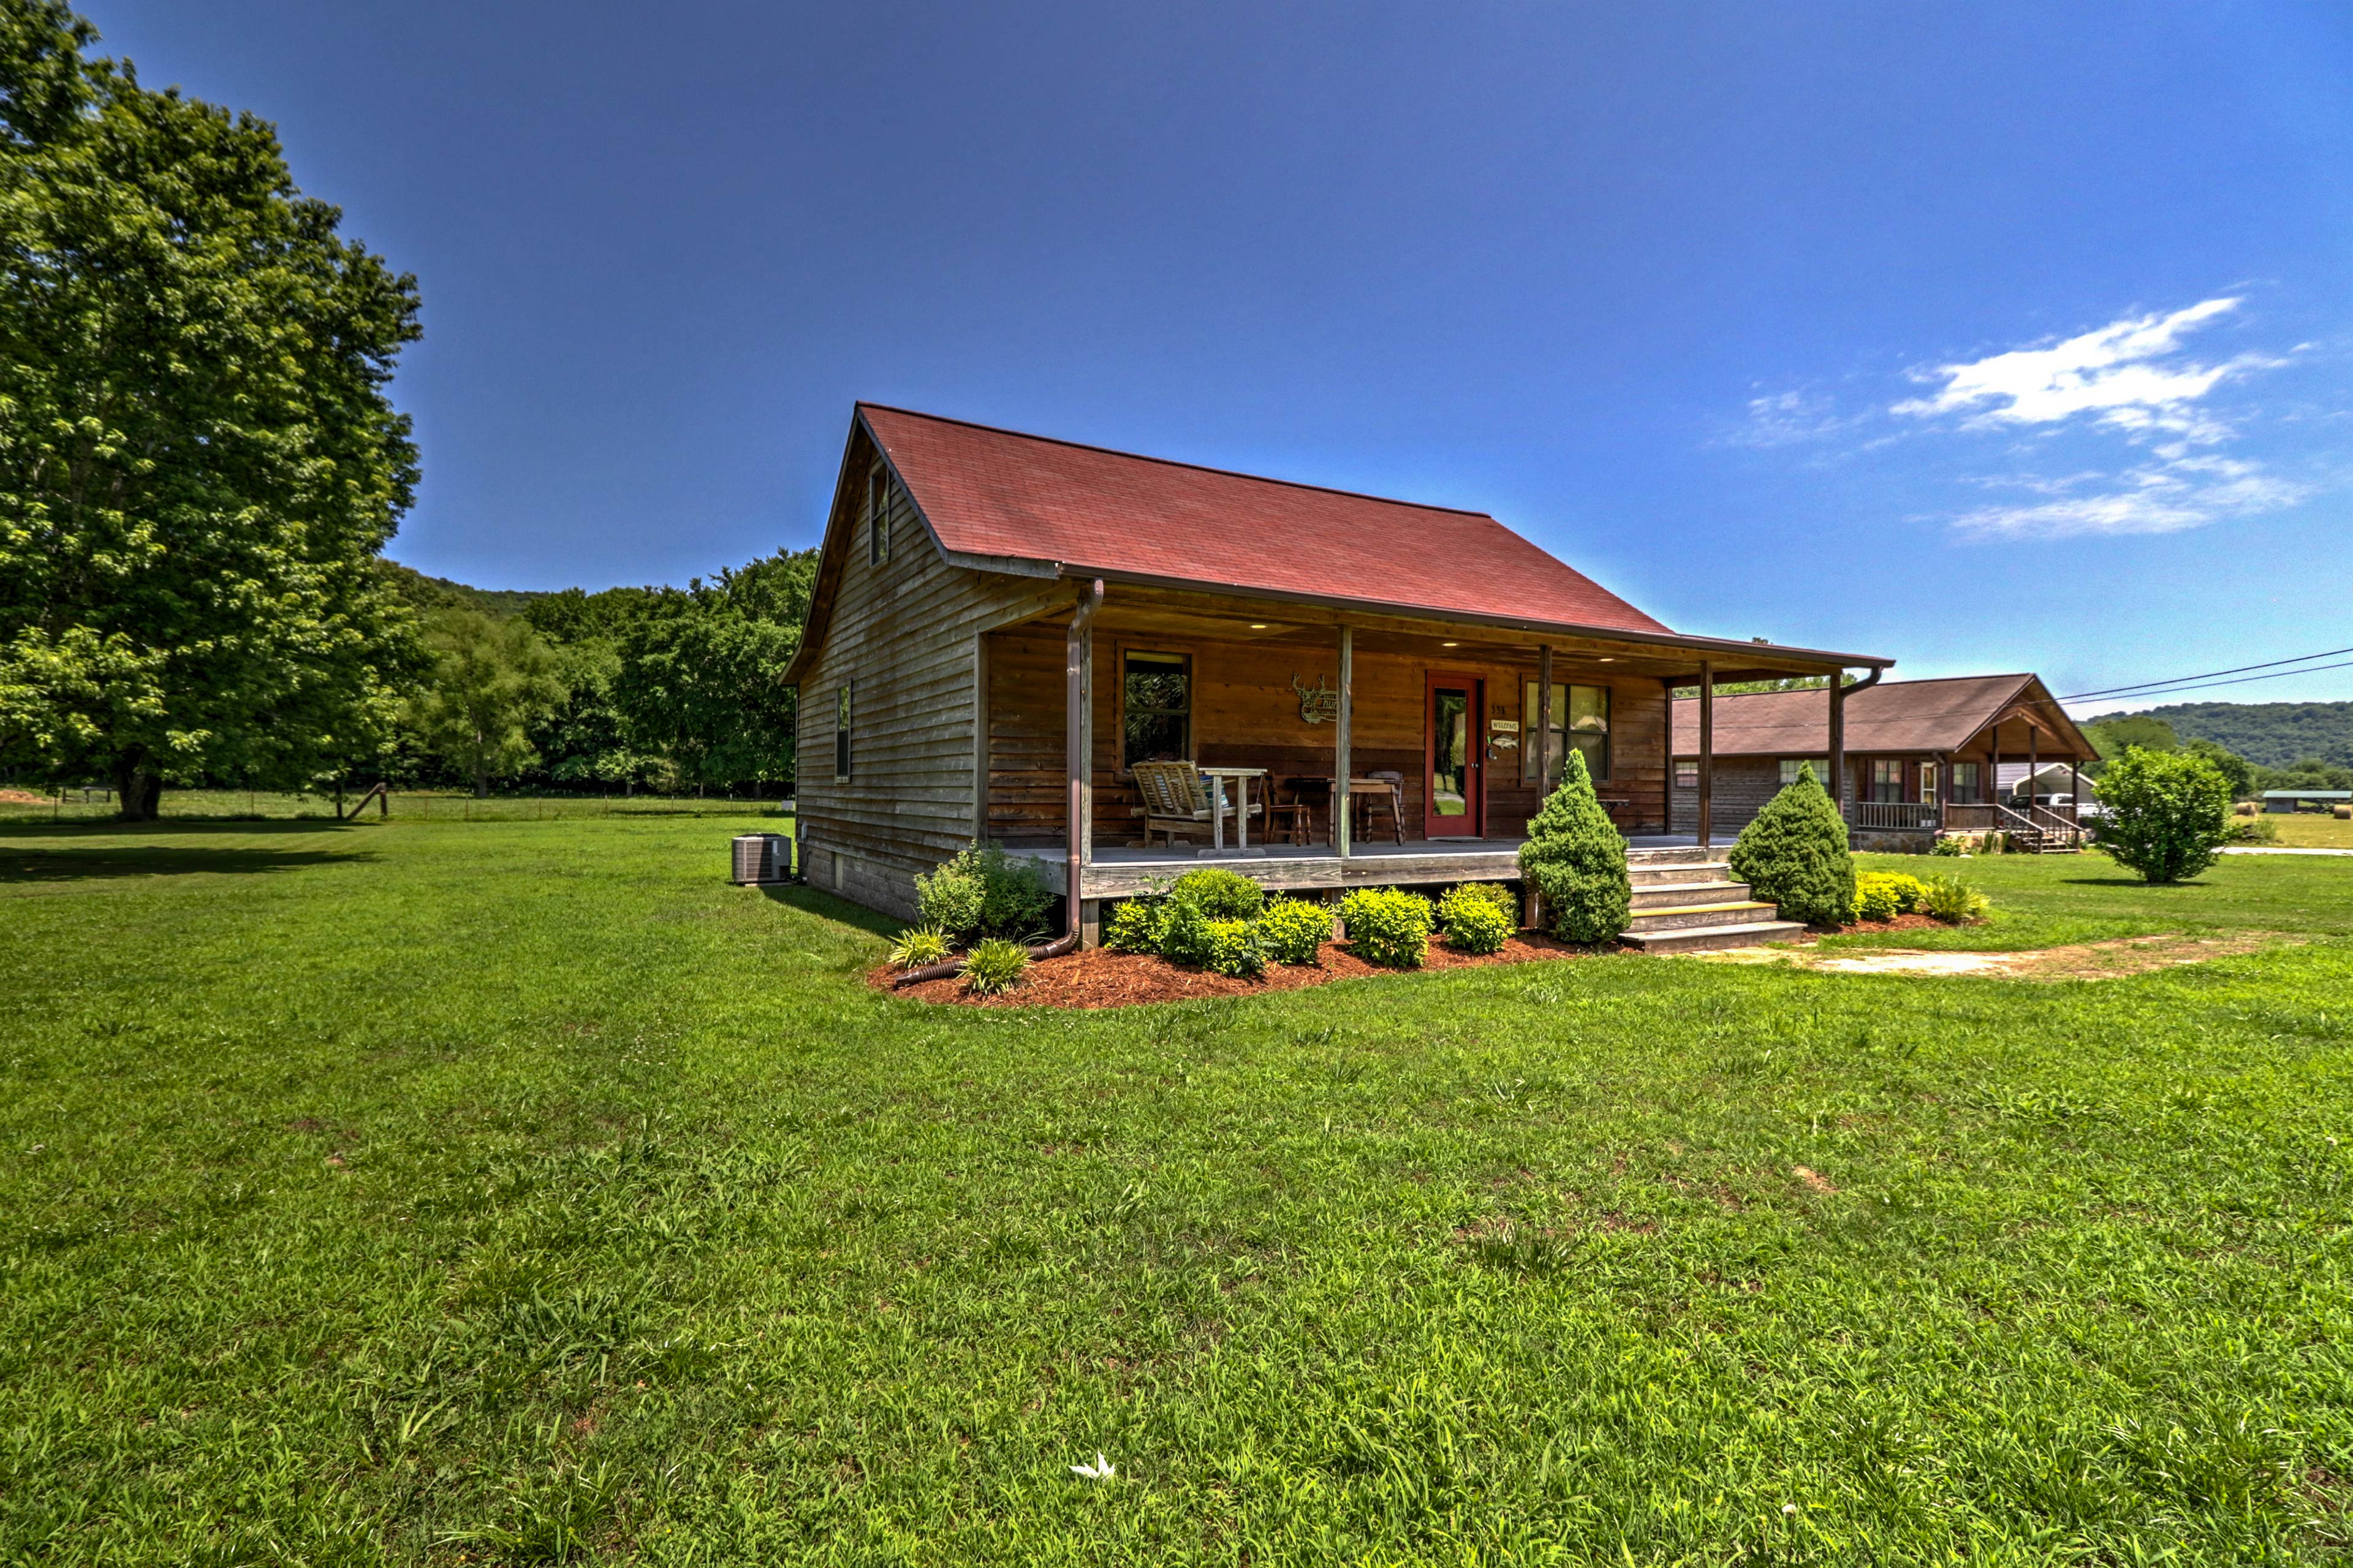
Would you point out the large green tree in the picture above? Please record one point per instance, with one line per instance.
(702, 672)
(198, 460)
(493, 680)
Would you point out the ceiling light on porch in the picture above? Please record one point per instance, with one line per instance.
(1257, 626)
(1449, 645)
(1607, 658)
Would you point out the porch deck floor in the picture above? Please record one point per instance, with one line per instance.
(1121, 870)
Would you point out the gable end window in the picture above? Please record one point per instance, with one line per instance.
(842, 733)
(878, 518)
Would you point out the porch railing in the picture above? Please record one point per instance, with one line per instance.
(1902, 815)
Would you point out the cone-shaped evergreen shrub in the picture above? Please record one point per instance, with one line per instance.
(1576, 859)
(1794, 854)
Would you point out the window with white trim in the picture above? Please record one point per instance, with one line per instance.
(841, 703)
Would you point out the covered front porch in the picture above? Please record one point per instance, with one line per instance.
(1450, 733)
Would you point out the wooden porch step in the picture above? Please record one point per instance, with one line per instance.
(1653, 874)
(1711, 939)
(1673, 895)
(1689, 916)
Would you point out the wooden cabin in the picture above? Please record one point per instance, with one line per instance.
(1004, 625)
(1922, 758)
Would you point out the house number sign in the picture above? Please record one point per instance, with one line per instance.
(1318, 703)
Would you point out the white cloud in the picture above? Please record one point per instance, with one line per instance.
(2161, 498)
(2110, 372)
(1788, 418)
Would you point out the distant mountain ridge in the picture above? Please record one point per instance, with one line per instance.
(2275, 734)
(440, 593)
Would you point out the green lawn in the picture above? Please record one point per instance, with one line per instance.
(2042, 900)
(421, 806)
(509, 1192)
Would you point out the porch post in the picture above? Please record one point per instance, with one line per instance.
(1944, 786)
(1706, 752)
(1667, 787)
(1543, 720)
(980, 737)
(1078, 749)
(2033, 739)
(1531, 901)
(1836, 761)
(1343, 804)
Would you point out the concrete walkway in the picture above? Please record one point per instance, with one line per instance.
(2276, 849)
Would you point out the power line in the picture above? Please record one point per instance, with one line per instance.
(2274, 675)
(2186, 680)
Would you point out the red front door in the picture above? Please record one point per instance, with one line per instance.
(1454, 792)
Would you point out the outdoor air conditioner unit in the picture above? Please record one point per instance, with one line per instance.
(762, 858)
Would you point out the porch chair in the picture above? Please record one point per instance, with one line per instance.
(1177, 800)
(1393, 803)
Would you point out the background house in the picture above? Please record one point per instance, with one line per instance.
(1922, 756)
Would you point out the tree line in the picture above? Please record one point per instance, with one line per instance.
(200, 469)
(655, 687)
(2112, 738)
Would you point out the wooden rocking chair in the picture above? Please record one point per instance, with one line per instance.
(1176, 800)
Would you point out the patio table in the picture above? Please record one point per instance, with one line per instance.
(1241, 777)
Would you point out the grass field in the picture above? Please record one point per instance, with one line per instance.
(520, 1192)
(421, 806)
(2311, 830)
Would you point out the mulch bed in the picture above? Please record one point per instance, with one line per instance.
(1898, 922)
(1099, 978)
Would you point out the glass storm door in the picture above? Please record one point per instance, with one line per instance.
(1451, 803)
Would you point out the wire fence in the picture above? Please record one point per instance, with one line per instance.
(98, 804)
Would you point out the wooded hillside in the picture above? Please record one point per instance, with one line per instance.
(2272, 733)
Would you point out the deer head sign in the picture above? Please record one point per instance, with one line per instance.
(1317, 702)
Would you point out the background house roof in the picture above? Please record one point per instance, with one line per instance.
(1893, 716)
(997, 493)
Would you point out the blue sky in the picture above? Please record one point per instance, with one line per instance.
(1986, 337)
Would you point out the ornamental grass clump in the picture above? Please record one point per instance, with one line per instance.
(1294, 930)
(1794, 854)
(2163, 813)
(1475, 918)
(1576, 859)
(995, 965)
(1883, 895)
(1952, 900)
(919, 946)
(1387, 926)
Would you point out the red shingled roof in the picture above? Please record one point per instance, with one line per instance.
(999, 493)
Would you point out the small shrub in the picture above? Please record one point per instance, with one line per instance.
(1950, 844)
(995, 965)
(2164, 814)
(1222, 895)
(1135, 926)
(1295, 930)
(1474, 922)
(1494, 893)
(950, 900)
(1883, 895)
(984, 890)
(1948, 898)
(1388, 926)
(1234, 948)
(1576, 859)
(1793, 853)
(1185, 933)
(2259, 829)
(919, 946)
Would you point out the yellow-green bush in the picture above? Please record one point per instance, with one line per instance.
(1294, 930)
(1387, 926)
(1883, 895)
(1476, 920)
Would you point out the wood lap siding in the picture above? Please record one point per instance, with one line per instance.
(902, 631)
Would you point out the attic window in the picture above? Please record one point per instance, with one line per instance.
(878, 518)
